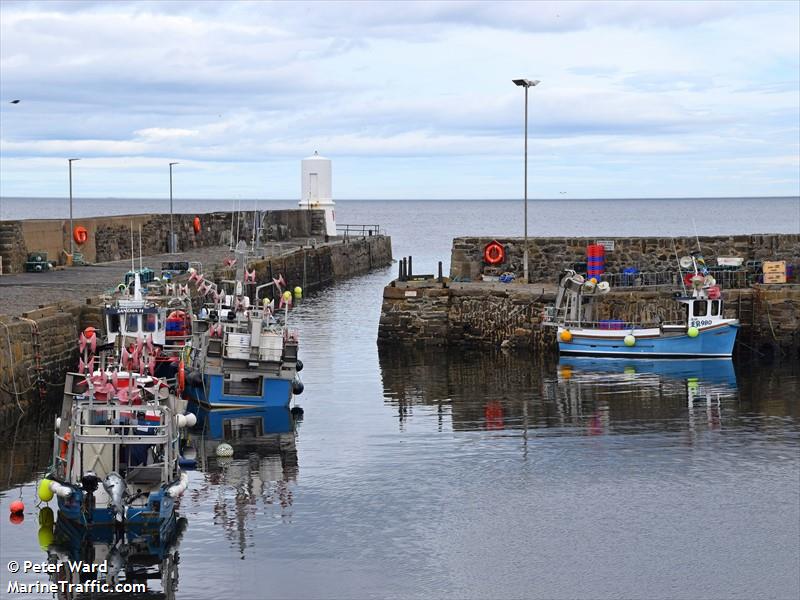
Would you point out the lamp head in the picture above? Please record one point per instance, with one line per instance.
(526, 82)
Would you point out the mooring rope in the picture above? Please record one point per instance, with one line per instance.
(13, 378)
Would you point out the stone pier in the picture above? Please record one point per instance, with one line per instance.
(42, 339)
(482, 315)
(471, 308)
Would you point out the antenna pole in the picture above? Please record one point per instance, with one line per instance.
(140, 246)
(238, 219)
(680, 271)
(696, 237)
(255, 206)
(233, 212)
(133, 264)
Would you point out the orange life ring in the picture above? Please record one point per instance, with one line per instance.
(494, 253)
(196, 224)
(80, 235)
(181, 377)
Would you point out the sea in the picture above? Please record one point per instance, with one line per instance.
(480, 474)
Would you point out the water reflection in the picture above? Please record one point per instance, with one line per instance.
(494, 391)
(27, 447)
(635, 384)
(133, 555)
(258, 477)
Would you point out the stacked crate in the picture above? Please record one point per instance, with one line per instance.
(774, 271)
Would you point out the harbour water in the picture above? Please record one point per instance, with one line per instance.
(487, 475)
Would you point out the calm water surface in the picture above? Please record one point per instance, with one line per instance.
(485, 475)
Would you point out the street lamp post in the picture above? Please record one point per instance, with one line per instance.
(526, 83)
(71, 230)
(171, 232)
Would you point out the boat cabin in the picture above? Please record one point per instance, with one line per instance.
(701, 312)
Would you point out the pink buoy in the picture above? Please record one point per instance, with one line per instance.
(17, 506)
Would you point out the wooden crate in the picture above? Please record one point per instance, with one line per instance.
(774, 266)
(774, 277)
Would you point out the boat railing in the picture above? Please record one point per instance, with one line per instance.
(118, 424)
(621, 324)
(726, 278)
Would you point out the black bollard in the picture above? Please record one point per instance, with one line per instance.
(400, 269)
(440, 271)
(410, 269)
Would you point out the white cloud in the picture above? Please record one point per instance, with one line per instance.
(645, 85)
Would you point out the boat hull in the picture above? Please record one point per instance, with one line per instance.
(712, 342)
(275, 393)
(158, 514)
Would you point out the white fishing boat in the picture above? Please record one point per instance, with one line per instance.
(116, 446)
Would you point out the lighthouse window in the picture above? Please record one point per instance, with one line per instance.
(700, 308)
(714, 308)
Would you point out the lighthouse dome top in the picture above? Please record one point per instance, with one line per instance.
(316, 156)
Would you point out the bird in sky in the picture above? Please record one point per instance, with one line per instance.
(14, 102)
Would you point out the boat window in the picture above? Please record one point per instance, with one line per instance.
(150, 322)
(700, 308)
(132, 323)
(243, 386)
(112, 322)
(715, 308)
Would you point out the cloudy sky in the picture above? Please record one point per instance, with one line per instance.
(410, 100)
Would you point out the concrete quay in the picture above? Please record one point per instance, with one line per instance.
(23, 292)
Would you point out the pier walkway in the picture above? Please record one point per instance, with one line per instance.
(23, 292)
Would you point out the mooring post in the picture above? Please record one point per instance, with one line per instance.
(403, 271)
(400, 269)
(440, 271)
(410, 268)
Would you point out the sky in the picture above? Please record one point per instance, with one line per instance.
(409, 100)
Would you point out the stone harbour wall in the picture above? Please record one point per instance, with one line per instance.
(55, 331)
(314, 267)
(59, 325)
(109, 238)
(469, 315)
(548, 257)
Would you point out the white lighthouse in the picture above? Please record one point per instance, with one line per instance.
(316, 189)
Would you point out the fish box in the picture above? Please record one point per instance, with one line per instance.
(238, 345)
(774, 277)
(270, 346)
(729, 261)
(774, 266)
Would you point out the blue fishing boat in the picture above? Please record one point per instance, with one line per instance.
(243, 353)
(701, 331)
